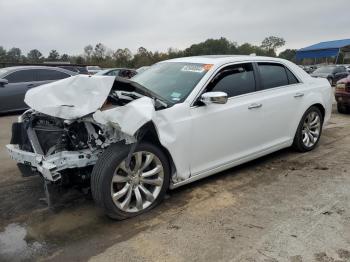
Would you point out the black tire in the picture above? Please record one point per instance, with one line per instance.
(298, 138)
(103, 171)
(342, 109)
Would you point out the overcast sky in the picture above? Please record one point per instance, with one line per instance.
(68, 26)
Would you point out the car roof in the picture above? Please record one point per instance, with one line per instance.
(17, 68)
(222, 59)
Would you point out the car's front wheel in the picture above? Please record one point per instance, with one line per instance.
(124, 190)
(309, 130)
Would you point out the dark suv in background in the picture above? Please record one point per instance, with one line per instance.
(332, 73)
(342, 95)
(16, 81)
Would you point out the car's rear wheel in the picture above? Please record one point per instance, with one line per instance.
(124, 191)
(309, 130)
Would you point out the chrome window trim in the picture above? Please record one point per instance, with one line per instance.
(245, 62)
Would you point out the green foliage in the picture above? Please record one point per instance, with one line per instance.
(122, 57)
(289, 54)
(34, 56)
(212, 47)
(2, 54)
(53, 56)
(65, 58)
(14, 55)
(88, 50)
(272, 43)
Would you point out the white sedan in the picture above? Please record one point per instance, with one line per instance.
(179, 121)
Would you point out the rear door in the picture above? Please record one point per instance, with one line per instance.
(281, 95)
(12, 94)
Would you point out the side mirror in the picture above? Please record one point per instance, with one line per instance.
(214, 98)
(3, 82)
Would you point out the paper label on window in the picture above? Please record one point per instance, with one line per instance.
(193, 68)
(196, 68)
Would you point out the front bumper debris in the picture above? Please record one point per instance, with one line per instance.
(50, 166)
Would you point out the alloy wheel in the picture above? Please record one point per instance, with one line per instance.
(311, 129)
(136, 187)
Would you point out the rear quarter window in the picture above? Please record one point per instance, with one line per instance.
(291, 77)
(275, 75)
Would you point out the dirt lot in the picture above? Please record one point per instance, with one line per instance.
(283, 207)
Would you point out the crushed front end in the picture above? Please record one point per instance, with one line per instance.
(57, 148)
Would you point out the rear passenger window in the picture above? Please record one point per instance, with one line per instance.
(21, 76)
(234, 80)
(291, 77)
(272, 75)
(45, 75)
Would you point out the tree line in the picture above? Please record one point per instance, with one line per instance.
(123, 57)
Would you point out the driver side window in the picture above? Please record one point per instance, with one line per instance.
(234, 80)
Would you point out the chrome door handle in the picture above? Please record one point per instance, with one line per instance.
(252, 106)
(299, 95)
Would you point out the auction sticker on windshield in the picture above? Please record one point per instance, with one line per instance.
(196, 68)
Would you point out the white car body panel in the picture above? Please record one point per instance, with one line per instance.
(140, 111)
(201, 140)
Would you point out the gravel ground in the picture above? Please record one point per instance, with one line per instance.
(283, 207)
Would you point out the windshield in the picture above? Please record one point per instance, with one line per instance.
(172, 80)
(326, 69)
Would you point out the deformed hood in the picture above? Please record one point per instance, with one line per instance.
(70, 98)
(80, 95)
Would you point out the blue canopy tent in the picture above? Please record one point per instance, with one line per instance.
(324, 49)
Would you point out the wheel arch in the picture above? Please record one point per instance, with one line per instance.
(321, 108)
(151, 135)
(319, 105)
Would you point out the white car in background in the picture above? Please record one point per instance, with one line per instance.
(179, 121)
(93, 69)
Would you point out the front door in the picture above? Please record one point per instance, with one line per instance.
(222, 133)
(12, 94)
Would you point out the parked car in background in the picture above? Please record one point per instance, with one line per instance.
(121, 72)
(127, 138)
(332, 73)
(342, 95)
(76, 69)
(93, 69)
(309, 69)
(142, 69)
(347, 68)
(16, 81)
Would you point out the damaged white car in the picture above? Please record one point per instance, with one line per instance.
(179, 121)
